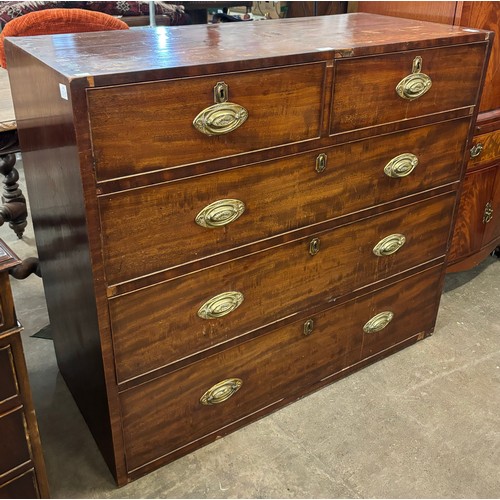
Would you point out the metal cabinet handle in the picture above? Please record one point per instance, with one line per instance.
(378, 322)
(416, 84)
(221, 392)
(401, 165)
(219, 213)
(223, 116)
(389, 245)
(476, 150)
(220, 305)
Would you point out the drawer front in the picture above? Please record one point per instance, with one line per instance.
(278, 196)
(14, 449)
(23, 486)
(8, 381)
(365, 88)
(485, 149)
(7, 311)
(156, 326)
(165, 414)
(139, 128)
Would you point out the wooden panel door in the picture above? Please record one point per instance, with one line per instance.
(469, 229)
(492, 221)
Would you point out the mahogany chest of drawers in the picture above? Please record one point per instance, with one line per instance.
(232, 216)
(22, 468)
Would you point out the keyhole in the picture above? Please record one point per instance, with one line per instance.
(417, 64)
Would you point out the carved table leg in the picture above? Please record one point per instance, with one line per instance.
(14, 208)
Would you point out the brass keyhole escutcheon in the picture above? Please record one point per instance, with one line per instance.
(308, 327)
(221, 92)
(314, 246)
(321, 163)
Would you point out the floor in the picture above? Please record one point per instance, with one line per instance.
(423, 423)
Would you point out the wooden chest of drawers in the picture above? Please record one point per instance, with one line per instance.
(22, 468)
(232, 216)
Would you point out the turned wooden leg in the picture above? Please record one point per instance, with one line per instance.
(14, 208)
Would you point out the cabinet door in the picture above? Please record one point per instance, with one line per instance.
(492, 220)
(469, 228)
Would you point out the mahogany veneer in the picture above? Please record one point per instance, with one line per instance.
(177, 321)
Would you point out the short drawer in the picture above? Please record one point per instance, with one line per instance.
(365, 92)
(485, 150)
(145, 127)
(161, 416)
(275, 197)
(155, 326)
(14, 449)
(8, 386)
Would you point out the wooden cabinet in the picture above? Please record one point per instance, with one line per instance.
(22, 469)
(228, 219)
(475, 236)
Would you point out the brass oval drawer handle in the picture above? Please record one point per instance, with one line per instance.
(378, 322)
(221, 392)
(220, 118)
(389, 245)
(415, 85)
(220, 305)
(401, 165)
(219, 213)
(476, 150)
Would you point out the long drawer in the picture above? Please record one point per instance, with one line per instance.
(164, 415)
(158, 325)
(276, 197)
(144, 127)
(370, 97)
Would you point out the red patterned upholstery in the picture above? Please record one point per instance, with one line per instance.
(55, 21)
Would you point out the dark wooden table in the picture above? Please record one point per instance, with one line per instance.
(13, 209)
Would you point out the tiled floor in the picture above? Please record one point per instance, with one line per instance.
(422, 423)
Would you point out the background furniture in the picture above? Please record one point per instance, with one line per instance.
(132, 13)
(22, 468)
(283, 222)
(13, 209)
(477, 231)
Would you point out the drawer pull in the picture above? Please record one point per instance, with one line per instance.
(219, 213)
(415, 85)
(223, 116)
(476, 150)
(314, 246)
(488, 213)
(308, 327)
(321, 163)
(378, 322)
(389, 245)
(401, 165)
(220, 305)
(221, 392)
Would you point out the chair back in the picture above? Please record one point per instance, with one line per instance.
(56, 21)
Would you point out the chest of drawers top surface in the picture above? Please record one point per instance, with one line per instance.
(111, 57)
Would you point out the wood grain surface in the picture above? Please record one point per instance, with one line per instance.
(490, 152)
(279, 196)
(140, 128)
(272, 367)
(158, 325)
(367, 98)
(469, 228)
